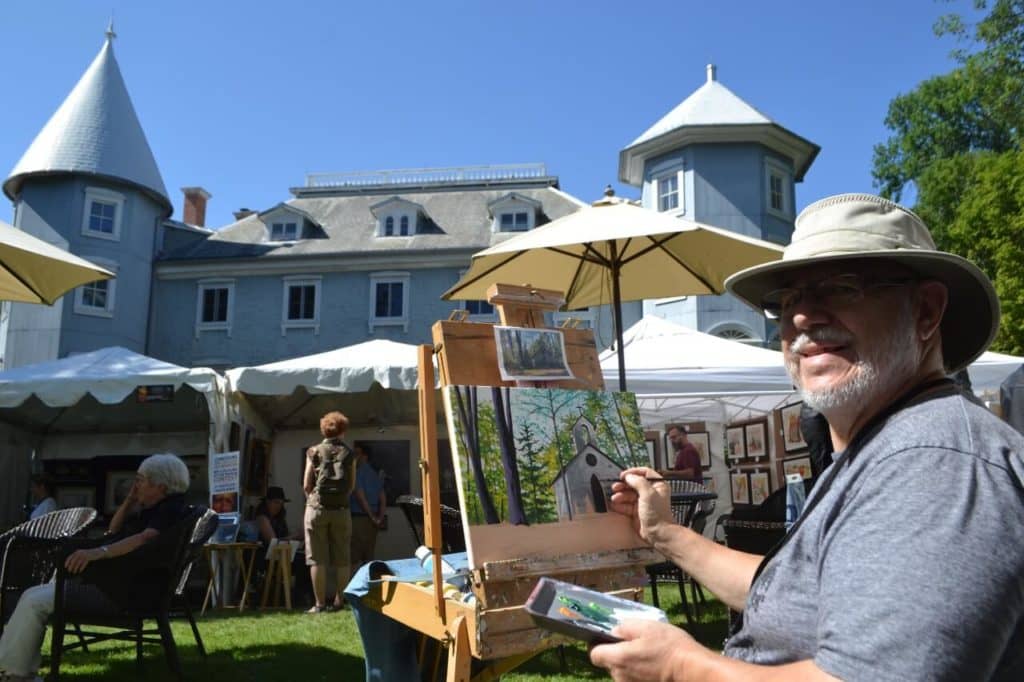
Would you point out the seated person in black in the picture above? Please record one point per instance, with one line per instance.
(146, 526)
(272, 523)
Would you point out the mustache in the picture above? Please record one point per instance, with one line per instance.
(820, 335)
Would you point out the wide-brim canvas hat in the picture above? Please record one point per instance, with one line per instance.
(858, 227)
(276, 492)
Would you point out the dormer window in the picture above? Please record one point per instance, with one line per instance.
(514, 213)
(397, 217)
(514, 221)
(284, 232)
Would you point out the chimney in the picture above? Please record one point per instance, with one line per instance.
(712, 72)
(195, 205)
(243, 213)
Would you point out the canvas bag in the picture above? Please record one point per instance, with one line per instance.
(333, 484)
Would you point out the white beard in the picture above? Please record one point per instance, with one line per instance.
(882, 366)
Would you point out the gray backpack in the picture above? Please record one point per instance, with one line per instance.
(333, 482)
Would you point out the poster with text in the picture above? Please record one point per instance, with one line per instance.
(224, 482)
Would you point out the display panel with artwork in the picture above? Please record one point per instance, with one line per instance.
(740, 484)
(760, 486)
(734, 443)
(535, 468)
(754, 438)
(797, 465)
(702, 441)
(792, 438)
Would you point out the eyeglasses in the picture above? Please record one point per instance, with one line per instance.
(840, 290)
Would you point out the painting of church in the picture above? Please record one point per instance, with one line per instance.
(581, 487)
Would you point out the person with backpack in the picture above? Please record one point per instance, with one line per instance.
(328, 481)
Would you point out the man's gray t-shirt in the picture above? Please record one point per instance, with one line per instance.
(911, 567)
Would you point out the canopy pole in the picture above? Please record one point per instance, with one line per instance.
(617, 304)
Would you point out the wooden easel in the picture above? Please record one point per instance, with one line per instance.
(496, 629)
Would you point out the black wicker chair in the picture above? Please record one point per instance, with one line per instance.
(452, 537)
(178, 551)
(29, 552)
(693, 515)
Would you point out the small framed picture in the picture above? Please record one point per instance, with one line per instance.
(528, 354)
(792, 439)
(740, 484)
(119, 485)
(702, 441)
(652, 439)
(754, 438)
(760, 486)
(76, 496)
(709, 483)
(797, 465)
(734, 442)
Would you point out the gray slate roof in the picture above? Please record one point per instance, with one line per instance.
(96, 132)
(713, 114)
(459, 222)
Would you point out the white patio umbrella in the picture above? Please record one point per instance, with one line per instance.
(615, 251)
(33, 271)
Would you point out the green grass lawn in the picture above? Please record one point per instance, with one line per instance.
(295, 646)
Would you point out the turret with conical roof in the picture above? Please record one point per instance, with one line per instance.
(716, 159)
(94, 132)
(89, 183)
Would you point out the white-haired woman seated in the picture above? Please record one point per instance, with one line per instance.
(155, 504)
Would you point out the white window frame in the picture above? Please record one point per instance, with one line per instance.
(300, 281)
(389, 278)
(512, 208)
(284, 227)
(80, 307)
(107, 197)
(204, 285)
(481, 317)
(680, 206)
(396, 225)
(774, 168)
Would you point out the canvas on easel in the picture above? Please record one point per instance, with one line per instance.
(535, 468)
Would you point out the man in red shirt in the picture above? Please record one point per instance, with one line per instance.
(687, 458)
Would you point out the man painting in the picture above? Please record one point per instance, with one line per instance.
(924, 494)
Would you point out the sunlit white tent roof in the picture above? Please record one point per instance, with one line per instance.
(91, 393)
(681, 374)
(109, 375)
(351, 369)
(294, 393)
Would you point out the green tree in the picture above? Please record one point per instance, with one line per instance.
(956, 138)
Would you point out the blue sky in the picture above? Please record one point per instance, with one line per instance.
(245, 98)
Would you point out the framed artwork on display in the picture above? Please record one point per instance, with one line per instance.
(792, 439)
(119, 485)
(740, 484)
(760, 486)
(652, 439)
(797, 465)
(75, 496)
(702, 441)
(709, 483)
(734, 443)
(754, 438)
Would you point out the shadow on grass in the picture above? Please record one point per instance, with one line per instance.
(270, 663)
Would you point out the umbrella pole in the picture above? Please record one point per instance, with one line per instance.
(617, 317)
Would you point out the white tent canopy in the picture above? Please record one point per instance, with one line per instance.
(108, 374)
(352, 369)
(72, 394)
(294, 393)
(682, 374)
